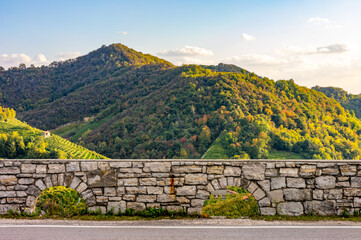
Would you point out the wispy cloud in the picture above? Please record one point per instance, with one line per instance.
(335, 48)
(186, 51)
(15, 59)
(323, 22)
(248, 37)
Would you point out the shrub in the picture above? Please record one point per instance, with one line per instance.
(233, 205)
(61, 201)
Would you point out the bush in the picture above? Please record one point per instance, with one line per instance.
(61, 201)
(233, 205)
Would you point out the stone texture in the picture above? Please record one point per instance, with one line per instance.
(232, 171)
(73, 167)
(276, 196)
(186, 190)
(157, 167)
(27, 168)
(307, 170)
(254, 171)
(348, 170)
(290, 208)
(195, 179)
(325, 182)
(278, 182)
(268, 211)
(297, 194)
(289, 172)
(186, 169)
(89, 166)
(8, 180)
(355, 181)
(323, 208)
(215, 170)
(296, 183)
(56, 168)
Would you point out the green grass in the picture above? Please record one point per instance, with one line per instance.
(54, 142)
(275, 154)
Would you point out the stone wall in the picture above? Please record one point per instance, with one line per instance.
(287, 187)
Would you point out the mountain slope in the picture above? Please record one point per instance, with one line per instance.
(19, 140)
(349, 101)
(140, 106)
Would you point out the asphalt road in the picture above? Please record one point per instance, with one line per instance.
(192, 230)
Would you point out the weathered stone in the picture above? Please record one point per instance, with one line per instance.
(82, 186)
(296, 183)
(276, 196)
(352, 192)
(40, 185)
(76, 181)
(73, 167)
(318, 194)
(254, 171)
(215, 170)
(34, 191)
(195, 178)
(297, 194)
(120, 191)
(110, 192)
(278, 182)
(259, 194)
(197, 202)
(120, 164)
(325, 182)
(9, 170)
(146, 198)
(290, 208)
(101, 199)
(40, 169)
(307, 170)
(268, 211)
(30, 200)
(7, 194)
(348, 170)
(325, 164)
(130, 182)
(323, 208)
(186, 190)
(201, 194)
(330, 171)
(356, 182)
(357, 202)
(223, 182)
(265, 185)
(136, 190)
(187, 169)
(343, 184)
(157, 167)
(48, 182)
(289, 172)
(333, 194)
(116, 207)
(252, 187)
(154, 190)
(271, 172)
(166, 198)
(136, 206)
(183, 200)
(56, 168)
(232, 171)
(103, 166)
(27, 168)
(194, 210)
(100, 178)
(5, 208)
(8, 180)
(129, 197)
(130, 170)
(148, 181)
(264, 202)
(89, 166)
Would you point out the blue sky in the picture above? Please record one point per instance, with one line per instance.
(313, 42)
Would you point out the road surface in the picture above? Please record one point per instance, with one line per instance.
(204, 229)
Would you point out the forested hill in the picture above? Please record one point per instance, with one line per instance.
(349, 101)
(19, 140)
(148, 108)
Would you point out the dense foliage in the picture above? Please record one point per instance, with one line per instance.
(61, 201)
(349, 101)
(19, 140)
(240, 204)
(139, 106)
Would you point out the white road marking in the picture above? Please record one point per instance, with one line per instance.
(185, 227)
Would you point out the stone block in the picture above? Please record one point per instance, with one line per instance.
(186, 190)
(215, 170)
(333, 194)
(154, 190)
(259, 194)
(264, 202)
(136, 190)
(186, 169)
(357, 202)
(76, 181)
(195, 179)
(290, 208)
(110, 191)
(330, 171)
(4, 194)
(81, 188)
(318, 194)
(166, 198)
(254, 171)
(323, 208)
(157, 167)
(8, 180)
(296, 183)
(352, 192)
(278, 183)
(40, 169)
(120, 164)
(265, 185)
(9, 170)
(197, 202)
(355, 181)
(271, 172)
(147, 181)
(276, 196)
(56, 168)
(73, 167)
(89, 166)
(103, 166)
(201, 194)
(307, 170)
(100, 178)
(325, 182)
(289, 172)
(348, 170)
(40, 184)
(183, 200)
(232, 171)
(27, 168)
(146, 198)
(295, 194)
(268, 211)
(130, 182)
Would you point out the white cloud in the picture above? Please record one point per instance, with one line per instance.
(248, 37)
(123, 33)
(323, 22)
(15, 59)
(187, 51)
(256, 60)
(62, 56)
(331, 48)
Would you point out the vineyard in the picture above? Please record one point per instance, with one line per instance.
(73, 150)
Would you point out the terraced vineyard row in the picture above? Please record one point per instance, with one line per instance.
(75, 151)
